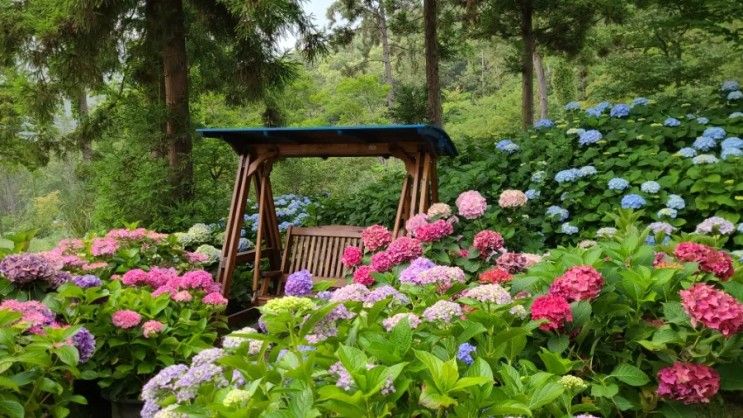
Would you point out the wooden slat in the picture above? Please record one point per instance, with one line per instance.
(312, 255)
(326, 256)
(425, 177)
(401, 206)
(333, 261)
(262, 206)
(234, 224)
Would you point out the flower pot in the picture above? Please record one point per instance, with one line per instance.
(126, 408)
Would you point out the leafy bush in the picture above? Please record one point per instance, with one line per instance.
(472, 330)
(570, 162)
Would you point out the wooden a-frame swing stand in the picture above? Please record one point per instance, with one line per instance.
(417, 146)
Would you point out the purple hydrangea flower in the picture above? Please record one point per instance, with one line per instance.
(26, 268)
(84, 341)
(187, 385)
(384, 292)
(208, 356)
(715, 225)
(464, 353)
(162, 383)
(418, 265)
(299, 283)
(87, 280)
(344, 377)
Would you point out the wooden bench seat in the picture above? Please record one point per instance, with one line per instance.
(316, 249)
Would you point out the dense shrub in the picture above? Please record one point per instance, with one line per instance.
(569, 164)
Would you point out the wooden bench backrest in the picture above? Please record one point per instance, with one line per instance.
(319, 249)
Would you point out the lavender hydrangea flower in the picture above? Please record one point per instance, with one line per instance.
(661, 227)
(418, 265)
(651, 187)
(735, 95)
(27, 267)
(671, 122)
(618, 183)
(619, 111)
(544, 124)
(715, 225)
(353, 292)
(87, 281)
(412, 319)
(687, 152)
(341, 373)
(675, 202)
(299, 283)
(589, 137)
(632, 201)
(384, 292)
(568, 229)
(208, 356)
(571, 106)
(507, 146)
(187, 386)
(84, 341)
(704, 159)
(731, 152)
(162, 383)
(704, 143)
(557, 212)
(443, 310)
(488, 293)
(464, 353)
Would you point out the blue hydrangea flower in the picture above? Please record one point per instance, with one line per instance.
(714, 132)
(640, 101)
(590, 136)
(672, 122)
(572, 106)
(732, 142)
(675, 202)
(587, 170)
(86, 281)
(557, 212)
(667, 213)
(543, 124)
(736, 115)
(568, 229)
(651, 187)
(702, 120)
(729, 85)
(507, 146)
(603, 106)
(687, 152)
(464, 353)
(619, 111)
(704, 159)
(538, 176)
(632, 201)
(532, 194)
(704, 143)
(735, 95)
(597, 110)
(618, 183)
(567, 175)
(730, 152)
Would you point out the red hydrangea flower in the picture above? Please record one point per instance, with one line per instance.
(710, 260)
(376, 237)
(512, 262)
(578, 283)
(434, 231)
(553, 308)
(363, 275)
(688, 382)
(488, 242)
(351, 256)
(404, 249)
(495, 275)
(691, 252)
(381, 262)
(713, 308)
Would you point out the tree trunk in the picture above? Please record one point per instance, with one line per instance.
(386, 53)
(434, 112)
(178, 122)
(527, 64)
(541, 85)
(582, 81)
(86, 144)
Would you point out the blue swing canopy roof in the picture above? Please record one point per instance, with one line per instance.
(331, 140)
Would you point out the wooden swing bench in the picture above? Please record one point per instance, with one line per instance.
(317, 249)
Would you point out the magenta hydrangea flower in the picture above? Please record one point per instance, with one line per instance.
(578, 283)
(471, 204)
(443, 310)
(382, 261)
(555, 309)
(195, 279)
(196, 258)
(363, 276)
(487, 242)
(104, 247)
(434, 231)
(404, 249)
(713, 308)
(351, 256)
(126, 319)
(152, 328)
(299, 283)
(376, 237)
(689, 383)
(215, 298)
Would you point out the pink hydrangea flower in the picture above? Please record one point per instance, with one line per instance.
(471, 204)
(182, 296)
(391, 322)
(363, 275)
(104, 247)
(126, 319)
(531, 259)
(382, 261)
(96, 265)
(578, 283)
(691, 252)
(35, 314)
(713, 308)
(443, 310)
(351, 256)
(135, 277)
(215, 298)
(376, 237)
(512, 199)
(555, 309)
(196, 258)
(152, 328)
(710, 260)
(434, 231)
(404, 249)
(416, 222)
(689, 383)
(512, 262)
(159, 276)
(487, 242)
(163, 290)
(199, 280)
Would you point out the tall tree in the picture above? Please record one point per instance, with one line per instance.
(434, 110)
